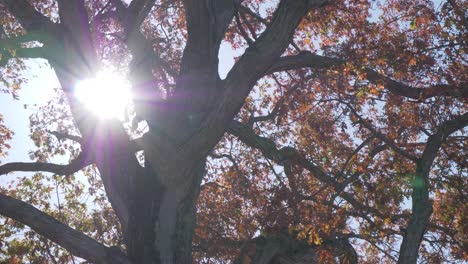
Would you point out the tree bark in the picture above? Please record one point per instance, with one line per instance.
(162, 218)
(421, 212)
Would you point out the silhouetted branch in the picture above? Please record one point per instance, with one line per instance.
(74, 241)
(31, 19)
(310, 60)
(77, 164)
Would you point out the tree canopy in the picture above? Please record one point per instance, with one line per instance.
(338, 135)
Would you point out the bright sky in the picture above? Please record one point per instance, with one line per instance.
(38, 90)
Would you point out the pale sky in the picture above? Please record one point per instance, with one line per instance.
(38, 90)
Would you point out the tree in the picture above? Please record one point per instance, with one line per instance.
(338, 133)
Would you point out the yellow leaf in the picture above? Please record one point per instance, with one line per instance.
(12, 52)
(412, 62)
(317, 239)
(374, 91)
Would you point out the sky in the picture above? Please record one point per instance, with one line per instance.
(37, 90)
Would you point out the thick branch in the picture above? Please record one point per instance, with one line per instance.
(12, 47)
(143, 57)
(38, 27)
(280, 156)
(15, 41)
(62, 136)
(267, 48)
(245, 73)
(196, 88)
(78, 42)
(29, 18)
(310, 60)
(207, 22)
(32, 53)
(138, 10)
(24, 53)
(434, 142)
(79, 163)
(421, 205)
(76, 242)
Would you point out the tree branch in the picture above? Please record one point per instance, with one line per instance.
(77, 41)
(29, 18)
(11, 47)
(242, 31)
(76, 242)
(279, 104)
(143, 57)
(291, 155)
(138, 10)
(245, 73)
(350, 157)
(381, 136)
(62, 136)
(15, 41)
(310, 60)
(33, 53)
(79, 163)
(245, 10)
(443, 132)
(25, 53)
(38, 27)
(207, 21)
(280, 156)
(421, 205)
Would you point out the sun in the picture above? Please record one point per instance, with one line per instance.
(107, 95)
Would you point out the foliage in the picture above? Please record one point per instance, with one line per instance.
(356, 133)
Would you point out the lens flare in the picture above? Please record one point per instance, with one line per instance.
(107, 95)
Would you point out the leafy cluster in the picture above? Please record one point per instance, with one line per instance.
(346, 146)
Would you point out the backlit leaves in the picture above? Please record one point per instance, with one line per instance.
(351, 129)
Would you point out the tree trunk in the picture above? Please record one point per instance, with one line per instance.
(422, 210)
(162, 218)
(156, 203)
